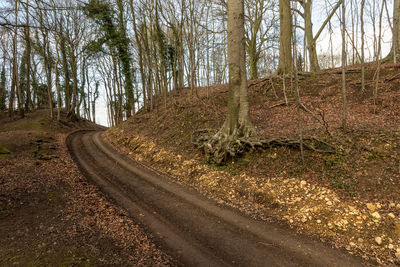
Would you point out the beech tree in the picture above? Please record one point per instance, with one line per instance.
(237, 126)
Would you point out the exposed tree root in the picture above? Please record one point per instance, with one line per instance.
(220, 147)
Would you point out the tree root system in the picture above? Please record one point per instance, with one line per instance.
(219, 147)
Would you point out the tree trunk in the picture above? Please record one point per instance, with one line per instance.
(141, 56)
(362, 47)
(57, 81)
(285, 53)
(28, 100)
(378, 58)
(123, 53)
(74, 68)
(344, 94)
(3, 91)
(396, 29)
(237, 128)
(63, 51)
(253, 58)
(311, 45)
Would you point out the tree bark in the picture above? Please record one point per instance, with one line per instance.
(28, 100)
(344, 56)
(362, 47)
(141, 56)
(396, 31)
(285, 53)
(123, 53)
(311, 45)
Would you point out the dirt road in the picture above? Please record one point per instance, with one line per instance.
(191, 228)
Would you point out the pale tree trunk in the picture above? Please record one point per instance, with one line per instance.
(312, 49)
(362, 47)
(311, 39)
(396, 28)
(57, 81)
(237, 125)
(285, 53)
(344, 94)
(47, 69)
(140, 52)
(254, 37)
(74, 68)
(352, 33)
(28, 100)
(297, 92)
(64, 58)
(378, 57)
(15, 72)
(47, 62)
(238, 119)
(14, 82)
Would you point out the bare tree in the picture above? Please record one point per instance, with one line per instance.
(237, 125)
(310, 38)
(256, 35)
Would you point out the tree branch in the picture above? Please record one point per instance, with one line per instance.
(327, 20)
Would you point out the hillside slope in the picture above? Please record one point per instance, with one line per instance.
(51, 215)
(350, 198)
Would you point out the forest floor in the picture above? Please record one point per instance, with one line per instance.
(50, 214)
(349, 199)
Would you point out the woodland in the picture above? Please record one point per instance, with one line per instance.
(285, 111)
(64, 55)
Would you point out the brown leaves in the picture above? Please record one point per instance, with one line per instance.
(84, 222)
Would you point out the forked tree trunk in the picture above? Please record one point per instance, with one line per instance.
(311, 44)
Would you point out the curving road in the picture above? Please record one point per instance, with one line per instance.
(191, 228)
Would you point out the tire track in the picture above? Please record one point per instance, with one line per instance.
(191, 228)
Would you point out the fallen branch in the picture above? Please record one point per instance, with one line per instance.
(183, 107)
(259, 81)
(392, 77)
(282, 103)
(322, 121)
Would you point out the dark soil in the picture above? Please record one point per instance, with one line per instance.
(197, 231)
(50, 215)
